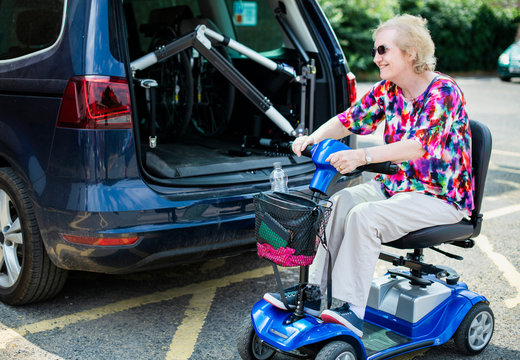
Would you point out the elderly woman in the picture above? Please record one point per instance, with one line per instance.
(426, 133)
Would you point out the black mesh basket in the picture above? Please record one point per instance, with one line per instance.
(289, 227)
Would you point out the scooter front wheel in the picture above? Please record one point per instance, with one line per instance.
(475, 331)
(250, 347)
(337, 350)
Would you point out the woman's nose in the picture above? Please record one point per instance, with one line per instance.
(377, 58)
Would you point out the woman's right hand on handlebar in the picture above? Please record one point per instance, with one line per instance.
(301, 143)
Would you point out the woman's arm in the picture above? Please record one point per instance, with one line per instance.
(348, 160)
(332, 129)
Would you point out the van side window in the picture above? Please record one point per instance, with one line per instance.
(27, 26)
(255, 25)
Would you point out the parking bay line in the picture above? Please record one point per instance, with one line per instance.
(510, 273)
(123, 305)
(506, 153)
(186, 335)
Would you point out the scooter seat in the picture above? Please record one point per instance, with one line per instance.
(435, 235)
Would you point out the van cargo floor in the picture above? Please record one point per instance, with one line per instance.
(188, 159)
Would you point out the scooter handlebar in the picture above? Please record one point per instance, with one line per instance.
(307, 151)
(386, 167)
(381, 168)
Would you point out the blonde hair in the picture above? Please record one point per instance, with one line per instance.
(412, 34)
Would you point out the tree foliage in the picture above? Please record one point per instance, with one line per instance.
(469, 34)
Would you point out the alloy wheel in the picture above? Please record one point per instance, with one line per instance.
(480, 330)
(11, 242)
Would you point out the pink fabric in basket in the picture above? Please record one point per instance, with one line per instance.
(283, 256)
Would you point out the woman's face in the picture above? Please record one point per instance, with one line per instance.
(394, 64)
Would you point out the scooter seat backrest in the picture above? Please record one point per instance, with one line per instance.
(481, 143)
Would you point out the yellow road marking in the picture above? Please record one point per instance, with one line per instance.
(185, 338)
(186, 335)
(123, 305)
(213, 264)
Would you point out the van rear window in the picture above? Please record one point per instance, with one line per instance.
(28, 26)
(255, 25)
(250, 22)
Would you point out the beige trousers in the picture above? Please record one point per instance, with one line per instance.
(361, 220)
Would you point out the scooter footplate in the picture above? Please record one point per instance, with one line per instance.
(376, 339)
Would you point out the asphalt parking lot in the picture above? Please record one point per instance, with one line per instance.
(193, 311)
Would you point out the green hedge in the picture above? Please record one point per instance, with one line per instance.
(469, 34)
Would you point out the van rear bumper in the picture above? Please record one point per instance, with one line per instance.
(157, 245)
(169, 232)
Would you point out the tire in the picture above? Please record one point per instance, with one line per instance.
(475, 331)
(174, 100)
(505, 78)
(175, 96)
(26, 273)
(249, 345)
(214, 97)
(337, 350)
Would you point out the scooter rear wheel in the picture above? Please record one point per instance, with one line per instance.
(337, 350)
(249, 346)
(475, 331)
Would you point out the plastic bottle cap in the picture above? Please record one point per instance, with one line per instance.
(277, 164)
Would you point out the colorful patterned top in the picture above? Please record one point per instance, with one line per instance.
(437, 119)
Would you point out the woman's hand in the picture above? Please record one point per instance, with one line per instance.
(346, 161)
(301, 143)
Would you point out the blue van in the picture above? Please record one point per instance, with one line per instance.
(112, 168)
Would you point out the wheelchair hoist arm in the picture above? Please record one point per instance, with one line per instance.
(198, 39)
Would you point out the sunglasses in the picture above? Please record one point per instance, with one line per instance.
(381, 50)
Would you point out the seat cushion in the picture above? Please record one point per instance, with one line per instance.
(434, 235)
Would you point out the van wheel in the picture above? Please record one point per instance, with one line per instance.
(337, 350)
(475, 331)
(26, 272)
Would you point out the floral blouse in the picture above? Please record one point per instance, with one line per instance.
(437, 119)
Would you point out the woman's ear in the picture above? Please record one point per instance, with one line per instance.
(413, 54)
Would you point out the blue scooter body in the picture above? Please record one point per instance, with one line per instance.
(385, 335)
(273, 326)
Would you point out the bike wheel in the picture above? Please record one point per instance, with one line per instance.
(174, 95)
(214, 97)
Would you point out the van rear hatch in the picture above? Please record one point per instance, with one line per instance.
(193, 125)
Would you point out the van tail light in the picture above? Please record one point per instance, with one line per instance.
(100, 241)
(96, 102)
(351, 88)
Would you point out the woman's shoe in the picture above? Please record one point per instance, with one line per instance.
(312, 299)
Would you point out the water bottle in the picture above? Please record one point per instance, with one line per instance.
(278, 178)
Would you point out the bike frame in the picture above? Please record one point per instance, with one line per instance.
(199, 39)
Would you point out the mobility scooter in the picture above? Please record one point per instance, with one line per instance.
(415, 306)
